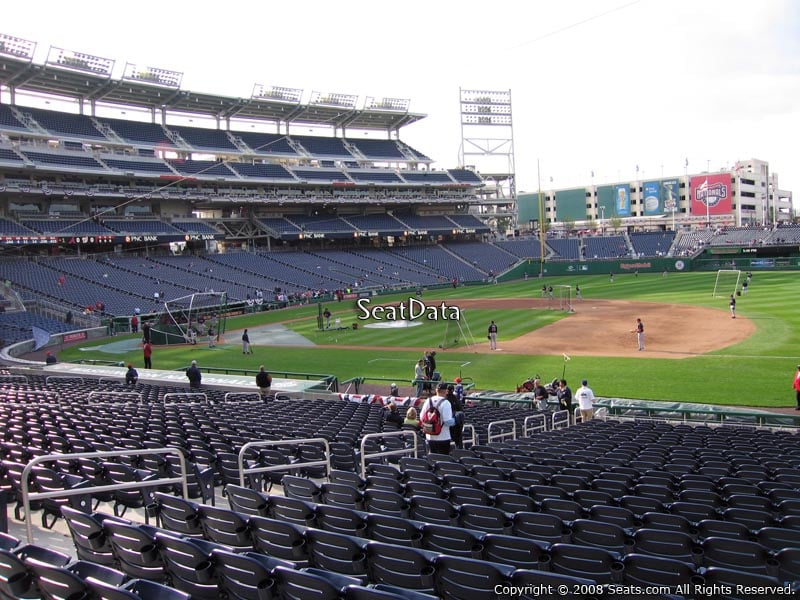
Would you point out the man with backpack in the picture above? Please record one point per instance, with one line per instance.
(436, 418)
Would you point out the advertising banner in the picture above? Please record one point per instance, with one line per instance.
(622, 200)
(670, 195)
(710, 194)
(652, 199)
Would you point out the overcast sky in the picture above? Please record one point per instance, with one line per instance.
(597, 85)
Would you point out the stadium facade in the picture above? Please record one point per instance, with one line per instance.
(136, 160)
(746, 194)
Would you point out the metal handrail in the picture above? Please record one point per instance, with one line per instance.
(398, 452)
(28, 496)
(502, 435)
(528, 428)
(560, 419)
(472, 440)
(56, 378)
(176, 395)
(244, 396)
(265, 443)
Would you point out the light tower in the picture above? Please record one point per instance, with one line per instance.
(487, 145)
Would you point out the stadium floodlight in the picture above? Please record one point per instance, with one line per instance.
(276, 93)
(16, 47)
(333, 99)
(485, 108)
(391, 104)
(79, 61)
(163, 77)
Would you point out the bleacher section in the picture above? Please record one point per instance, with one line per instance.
(689, 242)
(610, 503)
(139, 133)
(211, 140)
(16, 326)
(525, 248)
(486, 257)
(652, 243)
(566, 249)
(65, 125)
(141, 227)
(605, 247)
(66, 227)
(138, 166)
(7, 155)
(378, 149)
(202, 168)
(741, 236)
(63, 160)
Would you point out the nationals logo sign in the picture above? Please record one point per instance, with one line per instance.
(711, 194)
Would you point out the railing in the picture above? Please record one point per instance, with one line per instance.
(397, 452)
(63, 378)
(28, 496)
(284, 467)
(243, 397)
(330, 381)
(696, 413)
(560, 419)
(185, 396)
(534, 424)
(501, 435)
(472, 440)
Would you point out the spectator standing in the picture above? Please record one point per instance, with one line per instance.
(540, 394)
(419, 376)
(246, 343)
(564, 395)
(147, 351)
(585, 397)
(263, 381)
(438, 443)
(131, 375)
(457, 430)
(194, 376)
(492, 331)
(796, 386)
(459, 390)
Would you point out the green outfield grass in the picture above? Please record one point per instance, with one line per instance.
(756, 372)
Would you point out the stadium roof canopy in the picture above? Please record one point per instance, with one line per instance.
(89, 78)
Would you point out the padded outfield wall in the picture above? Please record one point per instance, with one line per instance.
(650, 265)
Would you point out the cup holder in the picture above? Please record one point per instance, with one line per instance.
(204, 572)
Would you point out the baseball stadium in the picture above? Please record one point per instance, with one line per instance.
(336, 262)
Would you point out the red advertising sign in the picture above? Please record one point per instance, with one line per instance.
(711, 194)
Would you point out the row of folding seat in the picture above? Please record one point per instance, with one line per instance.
(453, 562)
(32, 571)
(653, 491)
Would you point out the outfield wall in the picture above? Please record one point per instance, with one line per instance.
(650, 265)
(597, 267)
